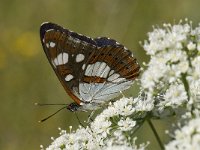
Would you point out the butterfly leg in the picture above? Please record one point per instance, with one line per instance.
(122, 94)
(79, 120)
(90, 117)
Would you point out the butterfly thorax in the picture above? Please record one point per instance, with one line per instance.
(73, 107)
(83, 107)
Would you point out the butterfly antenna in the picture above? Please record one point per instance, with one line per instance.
(51, 115)
(41, 104)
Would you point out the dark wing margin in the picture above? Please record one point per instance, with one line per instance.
(50, 32)
(104, 41)
(48, 25)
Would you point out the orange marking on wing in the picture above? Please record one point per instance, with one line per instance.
(92, 79)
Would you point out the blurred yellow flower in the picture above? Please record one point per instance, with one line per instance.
(27, 44)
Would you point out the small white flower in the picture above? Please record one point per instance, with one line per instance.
(191, 46)
(144, 103)
(156, 41)
(109, 112)
(124, 106)
(101, 125)
(156, 70)
(127, 124)
(174, 97)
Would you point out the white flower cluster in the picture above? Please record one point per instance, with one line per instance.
(108, 128)
(81, 139)
(187, 137)
(174, 65)
(121, 115)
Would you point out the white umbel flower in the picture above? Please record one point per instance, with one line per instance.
(127, 124)
(174, 53)
(175, 96)
(191, 46)
(186, 138)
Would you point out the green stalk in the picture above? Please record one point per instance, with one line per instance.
(156, 134)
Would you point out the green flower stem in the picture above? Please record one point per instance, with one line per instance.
(156, 134)
(186, 85)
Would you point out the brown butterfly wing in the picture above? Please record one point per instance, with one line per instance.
(66, 52)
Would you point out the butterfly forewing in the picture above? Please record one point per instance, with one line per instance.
(67, 54)
(91, 70)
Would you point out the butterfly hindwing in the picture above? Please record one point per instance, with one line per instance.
(115, 65)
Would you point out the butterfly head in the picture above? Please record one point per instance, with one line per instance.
(73, 107)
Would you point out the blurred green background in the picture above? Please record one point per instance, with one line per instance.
(26, 76)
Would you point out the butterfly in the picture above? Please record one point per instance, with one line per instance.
(92, 71)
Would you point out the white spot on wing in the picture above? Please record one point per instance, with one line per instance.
(113, 77)
(95, 69)
(111, 72)
(105, 72)
(98, 69)
(80, 57)
(47, 45)
(76, 40)
(101, 67)
(50, 30)
(83, 67)
(61, 59)
(69, 77)
(65, 58)
(119, 80)
(88, 71)
(52, 44)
